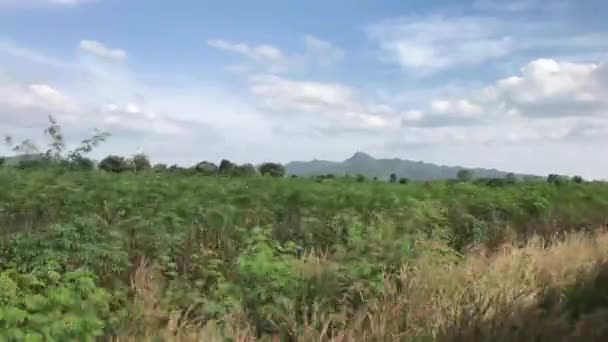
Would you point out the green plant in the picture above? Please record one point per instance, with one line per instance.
(51, 306)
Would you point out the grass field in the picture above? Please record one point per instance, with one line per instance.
(133, 257)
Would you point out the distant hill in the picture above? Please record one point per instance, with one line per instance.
(362, 163)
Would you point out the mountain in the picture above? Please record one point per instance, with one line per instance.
(362, 163)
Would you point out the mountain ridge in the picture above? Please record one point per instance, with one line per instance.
(365, 164)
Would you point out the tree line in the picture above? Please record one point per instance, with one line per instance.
(30, 156)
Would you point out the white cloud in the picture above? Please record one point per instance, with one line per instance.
(321, 51)
(275, 60)
(98, 49)
(436, 43)
(333, 103)
(429, 44)
(266, 55)
(545, 88)
(35, 96)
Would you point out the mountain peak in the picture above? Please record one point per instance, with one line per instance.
(360, 156)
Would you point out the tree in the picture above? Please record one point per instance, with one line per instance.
(556, 179)
(176, 169)
(141, 162)
(465, 175)
(30, 155)
(403, 180)
(245, 170)
(361, 178)
(578, 179)
(206, 168)
(81, 163)
(393, 178)
(159, 167)
(272, 169)
(226, 167)
(114, 164)
(2, 161)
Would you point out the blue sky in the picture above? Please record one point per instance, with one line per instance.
(519, 85)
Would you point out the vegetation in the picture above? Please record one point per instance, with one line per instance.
(132, 253)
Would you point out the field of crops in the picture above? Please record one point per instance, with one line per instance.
(191, 257)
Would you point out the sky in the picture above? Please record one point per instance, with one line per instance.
(518, 85)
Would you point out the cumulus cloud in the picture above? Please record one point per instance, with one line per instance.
(429, 44)
(545, 88)
(20, 97)
(334, 103)
(100, 50)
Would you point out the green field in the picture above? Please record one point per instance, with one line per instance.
(130, 256)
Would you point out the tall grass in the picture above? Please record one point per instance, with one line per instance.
(518, 294)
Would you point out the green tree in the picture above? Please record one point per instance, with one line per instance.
(393, 178)
(159, 167)
(403, 180)
(141, 162)
(578, 179)
(81, 163)
(465, 175)
(206, 168)
(361, 178)
(113, 163)
(245, 170)
(556, 179)
(2, 161)
(272, 169)
(226, 167)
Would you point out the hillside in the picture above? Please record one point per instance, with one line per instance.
(362, 163)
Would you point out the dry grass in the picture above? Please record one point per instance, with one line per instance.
(517, 294)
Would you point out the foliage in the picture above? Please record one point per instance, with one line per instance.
(272, 170)
(465, 175)
(141, 162)
(556, 179)
(113, 163)
(245, 170)
(226, 167)
(393, 178)
(49, 305)
(578, 179)
(207, 168)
